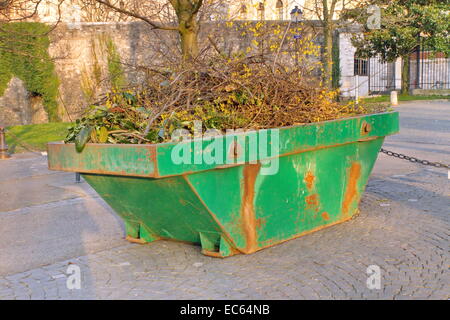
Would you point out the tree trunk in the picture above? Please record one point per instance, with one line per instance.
(188, 29)
(189, 39)
(405, 75)
(327, 59)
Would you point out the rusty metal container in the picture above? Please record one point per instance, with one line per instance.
(252, 200)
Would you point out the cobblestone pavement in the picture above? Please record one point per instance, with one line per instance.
(403, 228)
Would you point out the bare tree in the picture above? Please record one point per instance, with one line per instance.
(182, 16)
(157, 14)
(17, 10)
(98, 11)
(187, 24)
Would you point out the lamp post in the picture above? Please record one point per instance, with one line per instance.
(296, 14)
(3, 146)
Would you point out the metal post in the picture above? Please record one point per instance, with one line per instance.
(77, 177)
(418, 66)
(369, 70)
(394, 98)
(3, 146)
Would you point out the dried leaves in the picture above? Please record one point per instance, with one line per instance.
(223, 93)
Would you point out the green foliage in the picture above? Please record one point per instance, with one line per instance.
(92, 78)
(117, 121)
(24, 54)
(117, 76)
(123, 118)
(405, 24)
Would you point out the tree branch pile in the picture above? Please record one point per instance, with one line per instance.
(222, 92)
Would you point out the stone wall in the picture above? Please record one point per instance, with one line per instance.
(18, 106)
(80, 56)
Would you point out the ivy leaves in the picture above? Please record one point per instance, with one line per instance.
(24, 54)
(82, 138)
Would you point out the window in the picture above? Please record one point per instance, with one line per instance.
(361, 67)
(280, 10)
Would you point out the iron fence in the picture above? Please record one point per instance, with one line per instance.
(381, 76)
(429, 71)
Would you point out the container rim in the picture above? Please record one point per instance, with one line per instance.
(168, 143)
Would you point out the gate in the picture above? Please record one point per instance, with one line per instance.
(381, 76)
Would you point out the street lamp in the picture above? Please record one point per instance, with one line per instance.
(296, 14)
(3, 146)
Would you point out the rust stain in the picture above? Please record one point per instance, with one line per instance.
(134, 240)
(366, 128)
(260, 222)
(352, 190)
(325, 216)
(153, 156)
(79, 165)
(219, 254)
(312, 200)
(309, 180)
(249, 223)
(214, 254)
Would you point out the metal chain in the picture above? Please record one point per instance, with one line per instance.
(415, 160)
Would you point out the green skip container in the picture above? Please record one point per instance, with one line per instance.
(237, 193)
